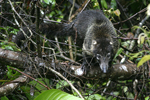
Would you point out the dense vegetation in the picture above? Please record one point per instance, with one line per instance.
(132, 23)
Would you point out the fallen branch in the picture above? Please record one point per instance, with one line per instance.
(19, 59)
(117, 71)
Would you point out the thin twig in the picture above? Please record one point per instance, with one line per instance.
(79, 10)
(106, 87)
(30, 77)
(65, 80)
(136, 35)
(69, 38)
(23, 23)
(85, 5)
(130, 17)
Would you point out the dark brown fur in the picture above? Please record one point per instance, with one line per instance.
(97, 32)
(94, 32)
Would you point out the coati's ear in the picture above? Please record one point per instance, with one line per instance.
(94, 42)
(98, 56)
(108, 55)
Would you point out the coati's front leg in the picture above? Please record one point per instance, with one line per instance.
(87, 61)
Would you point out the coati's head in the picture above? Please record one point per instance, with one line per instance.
(102, 50)
(98, 41)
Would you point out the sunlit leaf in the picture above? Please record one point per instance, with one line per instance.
(141, 38)
(147, 98)
(125, 89)
(135, 55)
(143, 60)
(54, 94)
(117, 12)
(148, 10)
(46, 1)
(136, 27)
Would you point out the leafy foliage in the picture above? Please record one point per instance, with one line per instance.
(54, 94)
(143, 60)
(11, 74)
(58, 11)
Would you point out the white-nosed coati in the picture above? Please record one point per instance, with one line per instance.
(94, 31)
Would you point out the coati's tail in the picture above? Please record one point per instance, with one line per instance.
(49, 29)
(59, 30)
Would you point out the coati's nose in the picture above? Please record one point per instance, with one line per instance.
(104, 67)
(103, 62)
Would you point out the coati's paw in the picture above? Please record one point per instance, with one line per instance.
(84, 67)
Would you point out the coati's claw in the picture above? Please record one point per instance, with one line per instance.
(84, 67)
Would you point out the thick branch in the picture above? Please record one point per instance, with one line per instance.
(118, 71)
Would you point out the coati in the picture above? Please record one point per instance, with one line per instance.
(94, 31)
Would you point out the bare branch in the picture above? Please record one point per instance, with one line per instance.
(11, 86)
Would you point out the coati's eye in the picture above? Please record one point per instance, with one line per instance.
(108, 55)
(98, 56)
(94, 42)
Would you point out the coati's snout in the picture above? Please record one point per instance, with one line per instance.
(103, 62)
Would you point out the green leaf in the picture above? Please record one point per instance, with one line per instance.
(138, 55)
(128, 94)
(7, 47)
(26, 90)
(113, 4)
(38, 85)
(126, 44)
(135, 55)
(62, 83)
(118, 52)
(143, 60)
(4, 98)
(96, 97)
(55, 94)
(104, 4)
(147, 98)
(12, 74)
(46, 1)
(142, 29)
(125, 89)
(144, 2)
(141, 38)
(49, 1)
(14, 31)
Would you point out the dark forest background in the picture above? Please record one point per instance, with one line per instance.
(51, 64)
